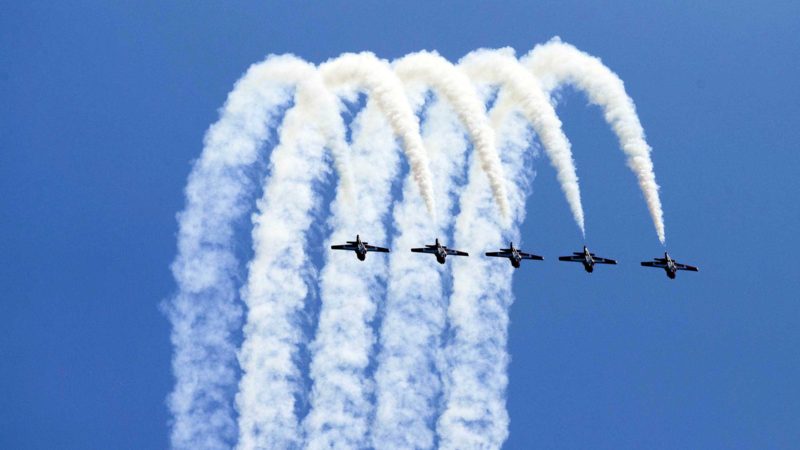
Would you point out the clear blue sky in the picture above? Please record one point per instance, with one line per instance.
(104, 106)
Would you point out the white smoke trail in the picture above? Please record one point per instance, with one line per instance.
(522, 89)
(476, 358)
(338, 400)
(556, 63)
(407, 378)
(205, 312)
(455, 87)
(350, 290)
(363, 71)
(276, 289)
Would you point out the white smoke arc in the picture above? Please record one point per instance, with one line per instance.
(341, 399)
(556, 63)
(407, 377)
(276, 289)
(476, 358)
(523, 90)
(363, 71)
(205, 313)
(438, 73)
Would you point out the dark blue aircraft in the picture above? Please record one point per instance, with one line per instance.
(669, 265)
(587, 259)
(361, 248)
(514, 255)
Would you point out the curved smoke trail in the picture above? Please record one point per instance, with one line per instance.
(205, 313)
(474, 384)
(276, 289)
(368, 72)
(455, 87)
(350, 291)
(500, 67)
(556, 63)
(407, 376)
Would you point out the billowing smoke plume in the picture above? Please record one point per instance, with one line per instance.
(523, 91)
(341, 405)
(475, 380)
(438, 73)
(276, 288)
(205, 313)
(556, 63)
(407, 376)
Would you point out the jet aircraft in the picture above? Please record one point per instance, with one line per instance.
(439, 250)
(514, 255)
(587, 259)
(361, 248)
(669, 265)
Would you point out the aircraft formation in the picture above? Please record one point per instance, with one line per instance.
(515, 256)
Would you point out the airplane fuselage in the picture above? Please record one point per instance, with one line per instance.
(515, 258)
(441, 254)
(361, 249)
(670, 266)
(588, 261)
(670, 269)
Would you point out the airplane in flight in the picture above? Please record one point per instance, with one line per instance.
(669, 265)
(439, 250)
(361, 248)
(587, 259)
(514, 255)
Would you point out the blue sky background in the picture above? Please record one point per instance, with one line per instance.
(104, 106)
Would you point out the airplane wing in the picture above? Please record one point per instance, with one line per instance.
(686, 267)
(344, 247)
(499, 254)
(455, 252)
(574, 258)
(372, 248)
(604, 261)
(423, 250)
(530, 256)
(658, 264)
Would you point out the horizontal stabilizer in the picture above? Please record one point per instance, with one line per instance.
(423, 250)
(503, 254)
(653, 264)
